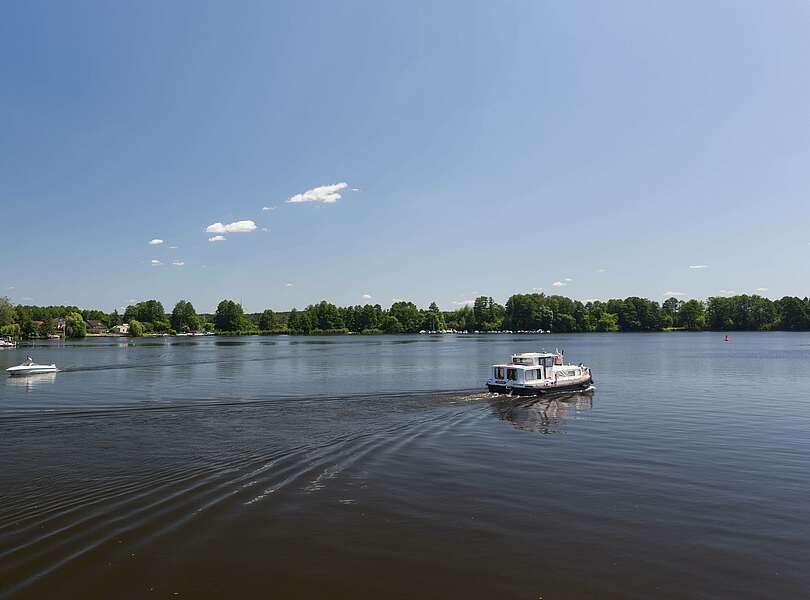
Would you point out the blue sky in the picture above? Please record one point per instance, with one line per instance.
(497, 148)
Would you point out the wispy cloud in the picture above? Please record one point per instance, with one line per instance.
(179, 263)
(217, 238)
(11, 288)
(674, 294)
(27, 299)
(235, 227)
(173, 247)
(326, 194)
(268, 208)
(156, 263)
(728, 292)
(601, 270)
(537, 289)
(698, 266)
(568, 279)
(355, 189)
(367, 296)
(266, 229)
(559, 284)
(761, 290)
(155, 242)
(288, 284)
(464, 302)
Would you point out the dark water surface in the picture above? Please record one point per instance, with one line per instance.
(369, 467)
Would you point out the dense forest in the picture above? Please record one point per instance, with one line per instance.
(522, 312)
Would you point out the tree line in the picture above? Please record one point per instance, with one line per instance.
(522, 312)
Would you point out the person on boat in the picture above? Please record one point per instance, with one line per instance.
(28, 361)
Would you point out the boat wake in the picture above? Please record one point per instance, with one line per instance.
(61, 521)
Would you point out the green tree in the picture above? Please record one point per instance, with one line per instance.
(671, 307)
(325, 316)
(489, 315)
(229, 316)
(28, 327)
(184, 317)
(44, 329)
(407, 314)
(391, 324)
(136, 328)
(13, 330)
(75, 327)
(793, 314)
(433, 319)
(607, 322)
(299, 322)
(691, 315)
(8, 314)
(369, 317)
(268, 320)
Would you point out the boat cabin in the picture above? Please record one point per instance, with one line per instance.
(527, 366)
(538, 372)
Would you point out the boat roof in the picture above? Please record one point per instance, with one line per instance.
(534, 354)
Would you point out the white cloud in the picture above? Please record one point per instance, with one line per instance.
(178, 263)
(601, 270)
(235, 227)
(156, 263)
(268, 208)
(761, 290)
(327, 194)
(674, 294)
(559, 284)
(355, 189)
(698, 266)
(537, 289)
(568, 279)
(217, 238)
(367, 296)
(729, 292)
(464, 302)
(173, 247)
(155, 242)
(26, 298)
(288, 284)
(266, 229)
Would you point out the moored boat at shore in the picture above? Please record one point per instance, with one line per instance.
(533, 373)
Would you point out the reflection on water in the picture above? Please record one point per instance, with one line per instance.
(194, 469)
(542, 414)
(30, 381)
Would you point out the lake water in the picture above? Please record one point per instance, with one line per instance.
(378, 467)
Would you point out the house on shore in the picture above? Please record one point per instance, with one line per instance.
(122, 329)
(58, 324)
(96, 327)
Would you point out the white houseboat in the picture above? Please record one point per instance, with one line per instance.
(533, 373)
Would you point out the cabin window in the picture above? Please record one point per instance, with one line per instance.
(498, 372)
(539, 373)
(549, 362)
(511, 374)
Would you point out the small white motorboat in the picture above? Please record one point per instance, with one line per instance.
(30, 369)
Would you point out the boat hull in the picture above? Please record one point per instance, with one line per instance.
(520, 390)
(32, 370)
